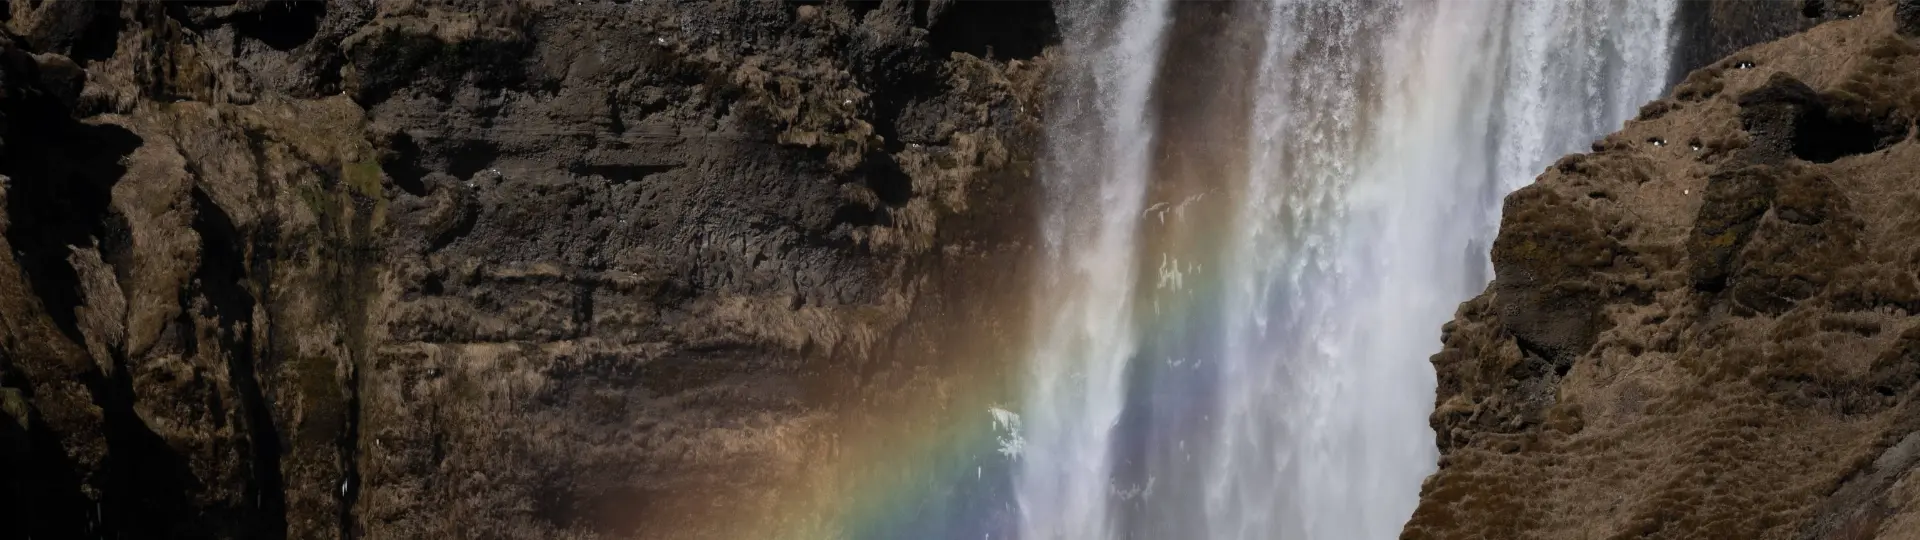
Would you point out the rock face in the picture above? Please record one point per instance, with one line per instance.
(609, 269)
(1707, 326)
(465, 269)
(1712, 29)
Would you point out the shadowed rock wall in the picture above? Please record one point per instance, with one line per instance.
(468, 269)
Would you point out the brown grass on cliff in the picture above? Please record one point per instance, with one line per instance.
(1735, 360)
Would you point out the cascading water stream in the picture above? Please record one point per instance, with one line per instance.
(1243, 354)
(1096, 186)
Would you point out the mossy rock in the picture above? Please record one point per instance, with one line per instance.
(363, 176)
(14, 405)
(1809, 237)
(1548, 260)
(1729, 212)
(1546, 237)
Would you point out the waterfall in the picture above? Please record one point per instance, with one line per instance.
(1099, 138)
(1241, 291)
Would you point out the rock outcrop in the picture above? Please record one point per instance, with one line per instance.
(485, 269)
(1707, 326)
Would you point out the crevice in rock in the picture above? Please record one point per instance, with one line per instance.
(466, 157)
(615, 122)
(41, 482)
(992, 29)
(222, 278)
(354, 277)
(283, 25)
(1906, 17)
(1819, 10)
(148, 487)
(620, 174)
(1824, 137)
(922, 11)
(462, 226)
(401, 162)
(1785, 116)
(893, 93)
(62, 175)
(859, 215)
(888, 181)
(861, 8)
(101, 39)
(350, 461)
(408, 162)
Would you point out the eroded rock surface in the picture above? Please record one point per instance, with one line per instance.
(464, 269)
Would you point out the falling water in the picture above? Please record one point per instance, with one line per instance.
(1242, 294)
(1101, 136)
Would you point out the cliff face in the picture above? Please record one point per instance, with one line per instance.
(1709, 30)
(475, 269)
(1709, 326)
(537, 269)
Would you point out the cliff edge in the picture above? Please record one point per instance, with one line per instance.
(1708, 326)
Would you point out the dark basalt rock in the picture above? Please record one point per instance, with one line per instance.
(1906, 17)
(1730, 210)
(1545, 259)
(1829, 9)
(1787, 118)
(1796, 249)
(1712, 29)
(397, 58)
(300, 269)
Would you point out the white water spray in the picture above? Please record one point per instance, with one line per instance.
(1100, 136)
(1383, 137)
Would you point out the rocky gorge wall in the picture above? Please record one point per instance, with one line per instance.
(466, 269)
(1707, 326)
(555, 269)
